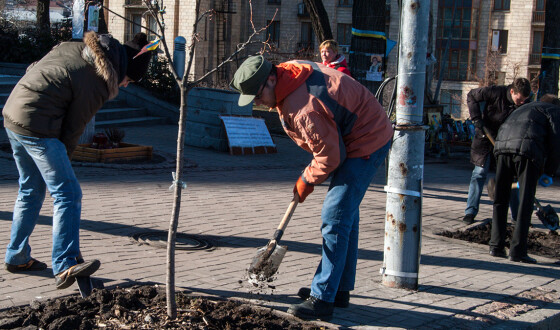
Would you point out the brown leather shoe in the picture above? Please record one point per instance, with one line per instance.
(66, 278)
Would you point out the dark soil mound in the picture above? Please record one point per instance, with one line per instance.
(546, 244)
(143, 307)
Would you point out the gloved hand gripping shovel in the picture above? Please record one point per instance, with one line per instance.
(268, 258)
(547, 215)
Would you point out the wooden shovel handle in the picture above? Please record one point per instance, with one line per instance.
(489, 136)
(289, 212)
(286, 219)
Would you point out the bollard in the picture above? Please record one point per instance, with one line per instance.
(179, 55)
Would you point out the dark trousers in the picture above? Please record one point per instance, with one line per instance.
(509, 166)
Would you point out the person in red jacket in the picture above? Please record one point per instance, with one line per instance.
(331, 57)
(338, 121)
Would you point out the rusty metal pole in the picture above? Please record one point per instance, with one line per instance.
(403, 219)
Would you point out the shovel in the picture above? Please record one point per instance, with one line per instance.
(268, 258)
(86, 284)
(547, 215)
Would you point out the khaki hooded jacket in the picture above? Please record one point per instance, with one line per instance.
(61, 93)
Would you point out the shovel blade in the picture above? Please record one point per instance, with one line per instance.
(547, 215)
(264, 267)
(85, 286)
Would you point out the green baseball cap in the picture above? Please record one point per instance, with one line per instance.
(249, 78)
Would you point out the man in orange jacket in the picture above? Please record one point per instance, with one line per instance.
(343, 126)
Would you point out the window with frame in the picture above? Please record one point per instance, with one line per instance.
(538, 37)
(345, 3)
(457, 38)
(132, 29)
(133, 3)
(152, 24)
(534, 77)
(451, 101)
(499, 41)
(344, 33)
(496, 78)
(273, 32)
(540, 5)
(536, 48)
(501, 4)
(307, 38)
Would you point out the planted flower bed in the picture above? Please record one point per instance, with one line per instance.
(124, 152)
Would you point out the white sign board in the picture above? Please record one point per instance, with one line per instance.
(247, 132)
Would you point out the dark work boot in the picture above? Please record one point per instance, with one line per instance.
(525, 259)
(468, 219)
(498, 252)
(341, 300)
(313, 308)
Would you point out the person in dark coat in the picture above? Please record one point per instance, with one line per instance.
(528, 144)
(497, 102)
(44, 117)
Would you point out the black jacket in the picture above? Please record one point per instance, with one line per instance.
(497, 106)
(532, 131)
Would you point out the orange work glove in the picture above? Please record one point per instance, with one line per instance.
(303, 189)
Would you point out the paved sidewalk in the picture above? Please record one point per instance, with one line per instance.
(236, 202)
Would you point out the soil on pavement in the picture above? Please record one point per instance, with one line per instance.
(546, 244)
(144, 307)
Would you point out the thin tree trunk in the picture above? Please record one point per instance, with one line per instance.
(319, 19)
(102, 25)
(551, 46)
(177, 187)
(43, 15)
(368, 16)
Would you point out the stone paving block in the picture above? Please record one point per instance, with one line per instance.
(237, 203)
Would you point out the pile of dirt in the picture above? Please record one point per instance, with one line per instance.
(546, 244)
(144, 307)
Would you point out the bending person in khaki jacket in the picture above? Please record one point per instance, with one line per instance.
(44, 117)
(343, 126)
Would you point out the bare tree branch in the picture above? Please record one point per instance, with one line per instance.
(155, 9)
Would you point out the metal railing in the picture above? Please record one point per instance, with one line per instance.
(538, 17)
(534, 59)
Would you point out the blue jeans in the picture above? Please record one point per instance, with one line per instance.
(340, 225)
(43, 164)
(478, 178)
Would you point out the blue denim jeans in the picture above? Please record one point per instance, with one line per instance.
(478, 178)
(43, 164)
(340, 225)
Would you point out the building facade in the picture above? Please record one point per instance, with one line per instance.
(483, 42)
(284, 25)
(475, 42)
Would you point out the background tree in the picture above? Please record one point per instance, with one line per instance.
(368, 16)
(551, 49)
(43, 15)
(157, 10)
(319, 19)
